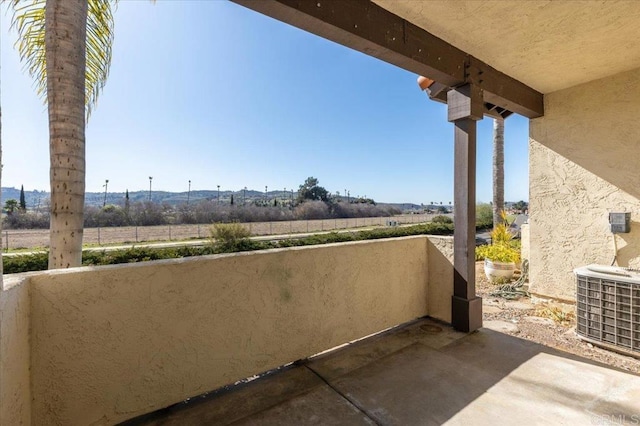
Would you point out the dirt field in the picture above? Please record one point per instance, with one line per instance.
(38, 238)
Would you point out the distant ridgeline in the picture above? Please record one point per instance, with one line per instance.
(36, 199)
(39, 199)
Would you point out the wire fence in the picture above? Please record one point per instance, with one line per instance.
(39, 238)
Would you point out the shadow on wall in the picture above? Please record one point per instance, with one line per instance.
(630, 251)
(440, 255)
(602, 140)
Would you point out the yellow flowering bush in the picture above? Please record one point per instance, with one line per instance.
(502, 247)
(498, 252)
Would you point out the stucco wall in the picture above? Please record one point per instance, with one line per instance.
(583, 164)
(525, 251)
(440, 277)
(110, 343)
(15, 393)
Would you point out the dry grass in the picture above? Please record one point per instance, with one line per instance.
(555, 313)
(38, 238)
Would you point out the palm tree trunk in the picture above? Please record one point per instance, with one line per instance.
(498, 169)
(65, 41)
(1, 283)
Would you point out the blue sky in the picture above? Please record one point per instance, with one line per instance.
(211, 92)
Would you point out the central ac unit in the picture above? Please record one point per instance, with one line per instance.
(608, 307)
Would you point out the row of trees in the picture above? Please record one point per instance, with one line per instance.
(312, 202)
(205, 212)
(11, 205)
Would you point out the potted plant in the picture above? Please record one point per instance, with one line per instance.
(500, 257)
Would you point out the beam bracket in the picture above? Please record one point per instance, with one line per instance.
(465, 102)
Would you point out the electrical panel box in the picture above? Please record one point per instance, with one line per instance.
(620, 222)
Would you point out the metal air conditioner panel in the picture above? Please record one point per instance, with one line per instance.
(608, 307)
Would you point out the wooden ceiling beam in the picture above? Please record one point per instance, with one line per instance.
(368, 28)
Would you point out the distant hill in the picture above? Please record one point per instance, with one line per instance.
(37, 199)
(33, 199)
(404, 206)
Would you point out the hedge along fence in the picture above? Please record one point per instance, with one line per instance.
(35, 238)
(39, 261)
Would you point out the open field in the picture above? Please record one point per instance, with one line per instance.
(13, 239)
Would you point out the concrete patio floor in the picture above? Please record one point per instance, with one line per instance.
(424, 373)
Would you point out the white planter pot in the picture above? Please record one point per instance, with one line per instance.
(495, 270)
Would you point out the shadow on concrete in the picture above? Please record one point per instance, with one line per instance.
(423, 373)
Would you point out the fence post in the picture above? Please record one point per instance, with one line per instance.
(98, 235)
(6, 238)
(307, 226)
(290, 227)
(198, 230)
(136, 233)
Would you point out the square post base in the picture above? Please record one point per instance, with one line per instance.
(466, 314)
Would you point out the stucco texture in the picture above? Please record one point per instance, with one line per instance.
(583, 164)
(548, 45)
(15, 392)
(440, 277)
(110, 343)
(525, 251)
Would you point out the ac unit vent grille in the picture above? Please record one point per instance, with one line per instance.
(608, 311)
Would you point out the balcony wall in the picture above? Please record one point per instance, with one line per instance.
(583, 164)
(15, 351)
(101, 345)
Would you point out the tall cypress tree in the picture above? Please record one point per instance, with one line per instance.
(126, 202)
(23, 201)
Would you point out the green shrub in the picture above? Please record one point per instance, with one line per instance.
(442, 219)
(484, 216)
(229, 237)
(25, 262)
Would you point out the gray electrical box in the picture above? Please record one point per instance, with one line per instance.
(620, 222)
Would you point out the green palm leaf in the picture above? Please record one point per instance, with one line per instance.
(29, 21)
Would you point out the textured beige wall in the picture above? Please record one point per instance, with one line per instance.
(525, 251)
(113, 342)
(583, 164)
(440, 277)
(15, 392)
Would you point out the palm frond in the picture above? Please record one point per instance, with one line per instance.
(29, 21)
(99, 41)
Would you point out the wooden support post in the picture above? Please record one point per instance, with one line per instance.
(465, 107)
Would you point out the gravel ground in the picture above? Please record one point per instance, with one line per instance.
(521, 318)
